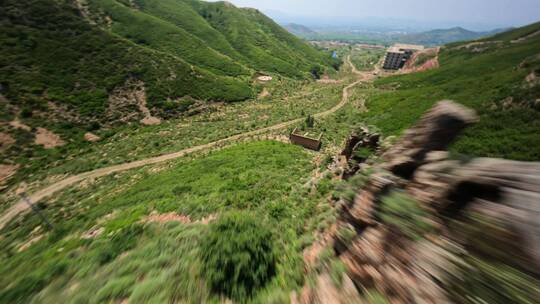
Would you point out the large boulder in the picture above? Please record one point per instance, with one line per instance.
(436, 131)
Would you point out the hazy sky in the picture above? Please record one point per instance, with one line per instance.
(495, 12)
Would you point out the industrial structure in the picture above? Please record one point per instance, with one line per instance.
(398, 54)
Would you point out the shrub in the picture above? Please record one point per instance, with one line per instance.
(26, 112)
(121, 241)
(237, 255)
(337, 268)
(316, 71)
(404, 212)
(310, 121)
(363, 153)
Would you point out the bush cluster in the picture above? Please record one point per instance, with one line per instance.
(238, 256)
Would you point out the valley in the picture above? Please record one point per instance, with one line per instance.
(71, 180)
(88, 190)
(152, 140)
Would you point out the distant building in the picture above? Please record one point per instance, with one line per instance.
(397, 55)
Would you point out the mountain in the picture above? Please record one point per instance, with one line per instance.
(76, 54)
(496, 76)
(382, 35)
(444, 36)
(299, 30)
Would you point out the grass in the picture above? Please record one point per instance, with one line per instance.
(155, 33)
(365, 59)
(423, 58)
(53, 57)
(403, 212)
(139, 261)
(289, 99)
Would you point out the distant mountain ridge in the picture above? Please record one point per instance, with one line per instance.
(444, 36)
(298, 29)
(366, 35)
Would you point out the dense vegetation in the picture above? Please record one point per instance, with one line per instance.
(64, 62)
(238, 255)
(365, 59)
(110, 243)
(488, 77)
(51, 54)
(143, 260)
(286, 100)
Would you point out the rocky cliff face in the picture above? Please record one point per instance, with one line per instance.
(429, 228)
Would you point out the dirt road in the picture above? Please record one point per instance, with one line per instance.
(21, 206)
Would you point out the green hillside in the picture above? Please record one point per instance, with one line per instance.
(265, 44)
(488, 76)
(444, 36)
(147, 30)
(217, 36)
(149, 261)
(77, 66)
(183, 15)
(299, 30)
(52, 53)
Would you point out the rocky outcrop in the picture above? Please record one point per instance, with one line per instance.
(91, 137)
(358, 148)
(506, 192)
(480, 223)
(6, 172)
(363, 138)
(435, 131)
(48, 139)
(6, 140)
(126, 100)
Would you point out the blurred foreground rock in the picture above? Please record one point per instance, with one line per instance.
(483, 240)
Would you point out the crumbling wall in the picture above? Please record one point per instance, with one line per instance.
(482, 243)
(306, 142)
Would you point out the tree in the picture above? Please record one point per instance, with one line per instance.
(316, 71)
(238, 256)
(310, 121)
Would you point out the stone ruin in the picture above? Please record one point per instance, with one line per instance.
(484, 214)
(305, 141)
(361, 140)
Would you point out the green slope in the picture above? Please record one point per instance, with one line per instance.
(57, 51)
(156, 262)
(73, 67)
(54, 53)
(488, 77)
(216, 36)
(265, 44)
(155, 33)
(49, 53)
(181, 14)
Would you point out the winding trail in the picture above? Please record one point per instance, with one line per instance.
(21, 206)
